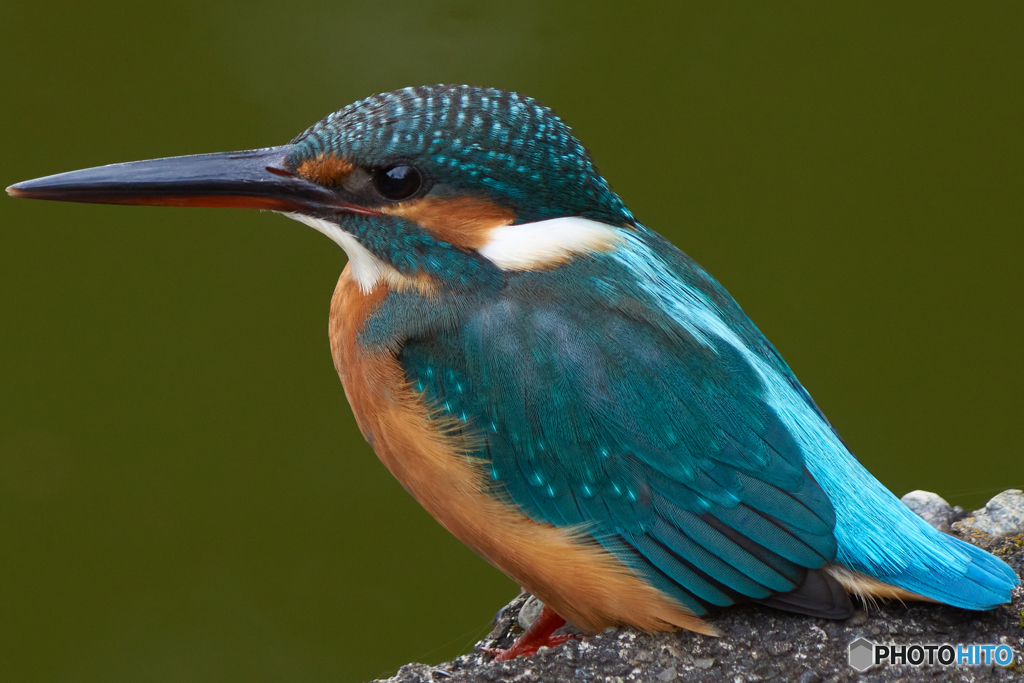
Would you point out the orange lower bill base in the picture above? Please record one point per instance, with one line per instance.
(207, 201)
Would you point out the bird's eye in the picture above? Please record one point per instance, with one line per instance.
(397, 182)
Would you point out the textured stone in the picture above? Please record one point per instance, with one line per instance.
(859, 618)
(669, 674)
(930, 507)
(529, 613)
(1001, 516)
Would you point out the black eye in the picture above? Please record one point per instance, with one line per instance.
(397, 182)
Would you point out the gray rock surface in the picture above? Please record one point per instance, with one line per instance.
(529, 612)
(759, 644)
(931, 507)
(1001, 516)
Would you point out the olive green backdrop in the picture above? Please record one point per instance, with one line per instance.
(184, 495)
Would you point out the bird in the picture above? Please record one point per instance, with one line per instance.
(558, 385)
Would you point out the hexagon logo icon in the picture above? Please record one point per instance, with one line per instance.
(862, 654)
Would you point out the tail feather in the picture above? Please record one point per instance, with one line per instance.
(979, 581)
(984, 582)
(880, 538)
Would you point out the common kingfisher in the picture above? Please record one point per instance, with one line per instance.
(559, 386)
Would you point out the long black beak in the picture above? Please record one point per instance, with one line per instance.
(253, 179)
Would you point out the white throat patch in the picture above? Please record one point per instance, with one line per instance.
(367, 269)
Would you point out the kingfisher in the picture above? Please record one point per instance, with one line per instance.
(563, 389)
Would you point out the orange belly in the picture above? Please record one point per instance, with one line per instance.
(580, 580)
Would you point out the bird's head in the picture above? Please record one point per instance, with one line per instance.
(434, 186)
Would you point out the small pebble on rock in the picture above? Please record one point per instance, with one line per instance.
(531, 610)
(810, 677)
(705, 663)
(667, 675)
(1001, 516)
(930, 507)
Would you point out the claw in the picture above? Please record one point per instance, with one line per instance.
(537, 636)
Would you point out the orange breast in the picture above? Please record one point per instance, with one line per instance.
(577, 578)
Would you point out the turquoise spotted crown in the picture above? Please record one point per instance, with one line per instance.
(467, 138)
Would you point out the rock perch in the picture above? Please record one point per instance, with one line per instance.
(762, 644)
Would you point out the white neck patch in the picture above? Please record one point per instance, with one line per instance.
(527, 246)
(546, 244)
(367, 269)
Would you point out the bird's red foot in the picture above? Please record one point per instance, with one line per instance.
(537, 636)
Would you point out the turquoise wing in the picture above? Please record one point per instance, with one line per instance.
(598, 412)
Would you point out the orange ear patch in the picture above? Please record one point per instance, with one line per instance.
(326, 169)
(465, 221)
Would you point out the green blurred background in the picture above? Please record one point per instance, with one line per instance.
(184, 495)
